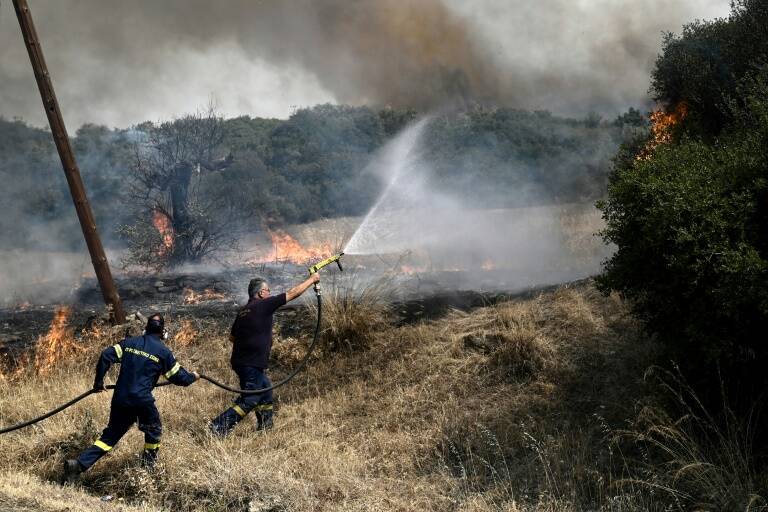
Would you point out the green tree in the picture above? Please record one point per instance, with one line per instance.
(690, 221)
(704, 65)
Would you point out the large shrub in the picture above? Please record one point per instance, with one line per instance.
(704, 66)
(690, 221)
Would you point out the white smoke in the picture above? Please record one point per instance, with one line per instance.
(441, 231)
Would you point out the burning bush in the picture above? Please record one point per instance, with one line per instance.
(663, 126)
(147, 245)
(176, 182)
(689, 219)
(690, 230)
(287, 249)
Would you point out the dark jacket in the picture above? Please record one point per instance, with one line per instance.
(252, 332)
(143, 359)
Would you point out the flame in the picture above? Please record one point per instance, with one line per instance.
(662, 124)
(410, 269)
(488, 264)
(97, 330)
(163, 226)
(57, 344)
(192, 297)
(11, 371)
(285, 248)
(186, 334)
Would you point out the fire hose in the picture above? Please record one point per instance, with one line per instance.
(282, 382)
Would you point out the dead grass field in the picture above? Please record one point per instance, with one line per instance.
(511, 407)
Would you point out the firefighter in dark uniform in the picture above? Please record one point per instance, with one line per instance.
(251, 338)
(142, 360)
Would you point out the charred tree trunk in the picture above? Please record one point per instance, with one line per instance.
(181, 219)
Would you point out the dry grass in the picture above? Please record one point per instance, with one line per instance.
(22, 492)
(699, 460)
(508, 408)
(354, 313)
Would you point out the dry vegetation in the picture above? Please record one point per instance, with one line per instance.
(514, 407)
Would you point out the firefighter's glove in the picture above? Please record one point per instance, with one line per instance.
(98, 387)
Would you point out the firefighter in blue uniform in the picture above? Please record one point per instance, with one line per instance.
(142, 360)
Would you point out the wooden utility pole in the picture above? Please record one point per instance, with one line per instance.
(60, 137)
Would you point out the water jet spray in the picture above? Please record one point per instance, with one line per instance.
(398, 164)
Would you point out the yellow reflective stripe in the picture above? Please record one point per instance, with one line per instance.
(172, 371)
(101, 444)
(151, 446)
(239, 411)
(264, 407)
(119, 350)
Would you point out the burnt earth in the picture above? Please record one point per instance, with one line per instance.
(419, 297)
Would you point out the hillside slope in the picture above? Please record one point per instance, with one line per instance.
(503, 408)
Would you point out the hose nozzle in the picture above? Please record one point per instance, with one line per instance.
(333, 259)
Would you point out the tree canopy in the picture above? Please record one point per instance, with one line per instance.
(690, 216)
(310, 166)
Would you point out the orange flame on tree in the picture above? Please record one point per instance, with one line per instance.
(57, 344)
(662, 124)
(163, 226)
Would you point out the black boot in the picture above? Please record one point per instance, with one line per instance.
(149, 458)
(264, 420)
(72, 470)
(220, 428)
(223, 424)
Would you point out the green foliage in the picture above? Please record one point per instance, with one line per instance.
(310, 166)
(319, 153)
(704, 65)
(37, 207)
(508, 157)
(688, 253)
(690, 222)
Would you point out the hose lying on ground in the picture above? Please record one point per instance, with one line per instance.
(213, 381)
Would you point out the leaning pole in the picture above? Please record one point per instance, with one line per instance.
(60, 137)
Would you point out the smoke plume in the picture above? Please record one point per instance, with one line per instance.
(123, 62)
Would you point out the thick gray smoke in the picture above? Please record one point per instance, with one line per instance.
(121, 62)
(118, 63)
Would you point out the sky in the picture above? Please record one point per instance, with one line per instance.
(119, 63)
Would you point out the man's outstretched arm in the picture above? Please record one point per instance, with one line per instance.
(301, 288)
